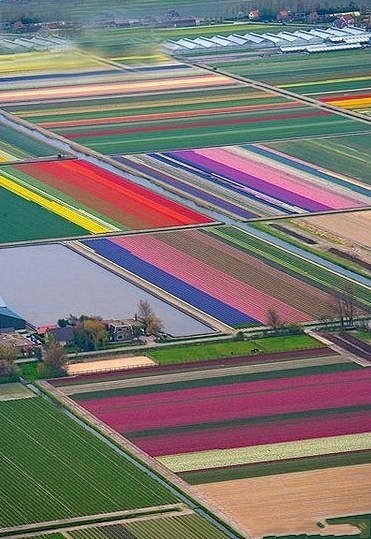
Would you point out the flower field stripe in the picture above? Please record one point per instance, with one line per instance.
(328, 81)
(166, 115)
(277, 431)
(59, 209)
(203, 460)
(230, 402)
(334, 177)
(294, 179)
(126, 87)
(127, 203)
(266, 179)
(214, 282)
(347, 103)
(176, 287)
(183, 186)
(195, 125)
(205, 246)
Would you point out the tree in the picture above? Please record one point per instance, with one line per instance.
(273, 319)
(152, 324)
(90, 333)
(8, 369)
(345, 305)
(55, 361)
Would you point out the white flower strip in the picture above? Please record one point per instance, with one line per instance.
(217, 458)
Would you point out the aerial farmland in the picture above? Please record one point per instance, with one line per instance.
(233, 196)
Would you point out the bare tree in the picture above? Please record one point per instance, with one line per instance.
(273, 319)
(151, 323)
(345, 305)
(55, 361)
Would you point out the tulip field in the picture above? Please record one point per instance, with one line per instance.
(15, 146)
(179, 108)
(223, 271)
(250, 180)
(76, 198)
(225, 431)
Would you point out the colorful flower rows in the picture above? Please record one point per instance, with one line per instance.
(259, 175)
(215, 277)
(93, 198)
(241, 415)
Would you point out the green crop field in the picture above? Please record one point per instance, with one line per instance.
(343, 154)
(15, 145)
(23, 220)
(289, 71)
(54, 469)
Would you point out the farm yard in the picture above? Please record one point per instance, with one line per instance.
(250, 180)
(86, 199)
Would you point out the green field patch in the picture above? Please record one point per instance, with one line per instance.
(342, 154)
(55, 469)
(23, 220)
(225, 349)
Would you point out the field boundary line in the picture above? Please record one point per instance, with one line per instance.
(50, 525)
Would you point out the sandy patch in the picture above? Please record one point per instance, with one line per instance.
(293, 503)
(122, 362)
(14, 391)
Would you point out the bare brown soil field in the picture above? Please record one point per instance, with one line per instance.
(122, 362)
(354, 227)
(14, 391)
(293, 503)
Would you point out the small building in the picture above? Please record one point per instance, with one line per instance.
(10, 319)
(23, 346)
(63, 336)
(122, 330)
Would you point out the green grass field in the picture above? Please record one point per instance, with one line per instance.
(15, 145)
(23, 220)
(197, 352)
(54, 469)
(342, 154)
